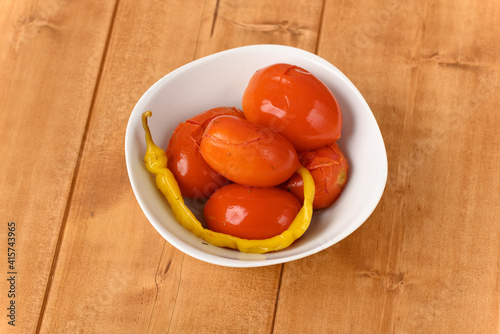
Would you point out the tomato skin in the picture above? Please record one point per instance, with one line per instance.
(250, 213)
(248, 154)
(328, 168)
(202, 119)
(195, 177)
(294, 102)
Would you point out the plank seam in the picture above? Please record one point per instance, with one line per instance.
(214, 21)
(200, 27)
(76, 171)
(321, 17)
(157, 288)
(277, 299)
(176, 295)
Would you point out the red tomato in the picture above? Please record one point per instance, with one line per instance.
(292, 101)
(196, 179)
(248, 154)
(328, 168)
(250, 213)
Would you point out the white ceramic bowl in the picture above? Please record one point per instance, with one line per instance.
(219, 80)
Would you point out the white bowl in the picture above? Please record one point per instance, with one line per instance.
(219, 80)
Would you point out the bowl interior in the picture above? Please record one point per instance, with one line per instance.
(220, 80)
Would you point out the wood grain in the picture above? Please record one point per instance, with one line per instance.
(429, 253)
(121, 259)
(49, 68)
(426, 261)
(228, 24)
(160, 294)
(224, 300)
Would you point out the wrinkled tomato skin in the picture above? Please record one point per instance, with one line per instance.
(294, 102)
(250, 213)
(195, 177)
(202, 119)
(248, 154)
(328, 168)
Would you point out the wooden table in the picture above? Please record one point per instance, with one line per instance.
(87, 260)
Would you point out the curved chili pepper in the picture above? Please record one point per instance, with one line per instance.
(156, 163)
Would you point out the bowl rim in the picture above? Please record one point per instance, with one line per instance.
(192, 251)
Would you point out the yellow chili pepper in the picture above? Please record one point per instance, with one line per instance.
(156, 163)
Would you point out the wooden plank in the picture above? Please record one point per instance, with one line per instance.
(212, 299)
(138, 282)
(50, 63)
(427, 259)
(112, 260)
(232, 23)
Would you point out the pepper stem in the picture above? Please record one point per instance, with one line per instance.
(155, 157)
(145, 115)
